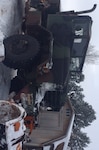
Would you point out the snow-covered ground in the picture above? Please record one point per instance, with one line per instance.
(11, 13)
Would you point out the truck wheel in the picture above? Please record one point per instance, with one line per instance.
(20, 51)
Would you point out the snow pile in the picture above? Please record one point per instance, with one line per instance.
(8, 112)
(1, 46)
(45, 86)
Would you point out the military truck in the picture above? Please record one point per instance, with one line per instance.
(51, 37)
(52, 45)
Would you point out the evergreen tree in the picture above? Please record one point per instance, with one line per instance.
(84, 116)
(79, 140)
(92, 55)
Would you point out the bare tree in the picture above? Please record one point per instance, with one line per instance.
(92, 55)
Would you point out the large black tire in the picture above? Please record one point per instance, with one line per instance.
(21, 51)
(44, 37)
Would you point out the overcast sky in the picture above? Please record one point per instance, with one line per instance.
(91, 82)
